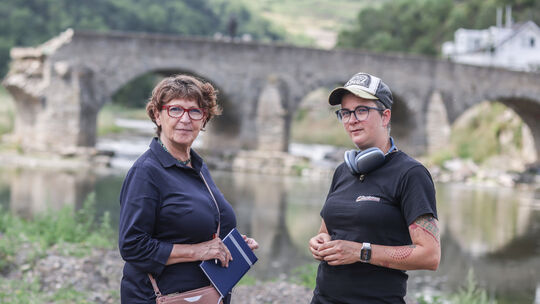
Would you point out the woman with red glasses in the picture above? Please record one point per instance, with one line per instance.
(171, 208)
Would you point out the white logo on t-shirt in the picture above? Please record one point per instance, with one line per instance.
(367, 198)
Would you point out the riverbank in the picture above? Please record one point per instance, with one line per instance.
(40, 264)
(61, 277)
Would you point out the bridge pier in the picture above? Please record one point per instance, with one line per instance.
(56, 103)
(270, 120)
(437, 126)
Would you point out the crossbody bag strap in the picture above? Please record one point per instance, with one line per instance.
(215, 202)
(152, 280)
(154, 285)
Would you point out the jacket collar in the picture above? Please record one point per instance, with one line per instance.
(167, 160)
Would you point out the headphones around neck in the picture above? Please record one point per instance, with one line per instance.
(365, 161)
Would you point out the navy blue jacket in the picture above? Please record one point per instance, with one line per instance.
(162, 203)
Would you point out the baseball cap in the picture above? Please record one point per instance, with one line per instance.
(365, 86)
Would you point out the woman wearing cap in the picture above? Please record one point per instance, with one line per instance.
(170, 206)
(380, 217)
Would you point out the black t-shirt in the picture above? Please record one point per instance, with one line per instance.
(378, 210)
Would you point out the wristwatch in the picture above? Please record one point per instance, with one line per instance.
(365, 253)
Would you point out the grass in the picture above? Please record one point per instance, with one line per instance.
(478, 134)
(326, 131)
(247, 280)
(309, 13)
(310, 22)
(54, 227)
(316, 123)
(74, 232)
(305, 275)
(28, 291)
(470, 293)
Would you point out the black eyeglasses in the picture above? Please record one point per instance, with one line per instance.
(361, 113)
(176, 111)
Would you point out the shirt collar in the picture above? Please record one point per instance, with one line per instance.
(167, 160)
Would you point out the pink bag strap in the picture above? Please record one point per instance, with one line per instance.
(154, 285)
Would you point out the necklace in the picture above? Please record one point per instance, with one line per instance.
(183, 162)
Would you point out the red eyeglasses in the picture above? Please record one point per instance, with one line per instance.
(176, 111)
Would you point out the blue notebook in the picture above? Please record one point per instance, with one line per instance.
(223, 278)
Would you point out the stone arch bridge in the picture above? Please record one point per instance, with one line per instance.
(60, 86)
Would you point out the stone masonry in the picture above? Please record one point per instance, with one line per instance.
(60, 86)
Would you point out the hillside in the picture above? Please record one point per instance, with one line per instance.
(310, 22)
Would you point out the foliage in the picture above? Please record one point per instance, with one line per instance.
(247, 280)
(439, 157)
(429, 300)
(30, 22)
(421, 26)
(478, 137)
(316, 123)
(51, 228)
(481, 133)
(136, 92)
(33, 237)
(308, 21)
(399, 25)
(326, 131)
(20, 292)
(305, 275)
(28, 291)
(471, 293)
(248, 21)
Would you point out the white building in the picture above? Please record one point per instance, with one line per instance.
(514, 46)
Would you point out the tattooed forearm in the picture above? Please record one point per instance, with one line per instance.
(399, 253)
(428, 224)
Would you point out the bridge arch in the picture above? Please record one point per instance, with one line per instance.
(529, 111)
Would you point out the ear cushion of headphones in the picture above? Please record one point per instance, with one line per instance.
(350, 160)
(368, 160)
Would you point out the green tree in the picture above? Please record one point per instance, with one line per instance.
(421, 26)
(30, 22)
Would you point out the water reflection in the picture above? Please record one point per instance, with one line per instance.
(34, 191)
(484, 220)
(279, 212)
(494, 231)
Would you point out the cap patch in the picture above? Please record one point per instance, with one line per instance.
(359, 79)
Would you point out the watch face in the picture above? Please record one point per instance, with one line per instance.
(365, 255)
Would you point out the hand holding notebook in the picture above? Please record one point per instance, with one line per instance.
(224, 278)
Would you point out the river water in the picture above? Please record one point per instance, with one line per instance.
(493, 231)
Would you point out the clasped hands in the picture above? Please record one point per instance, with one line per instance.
(337, 252)
(216, 249)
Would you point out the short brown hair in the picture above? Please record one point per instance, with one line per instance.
(187, 87)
